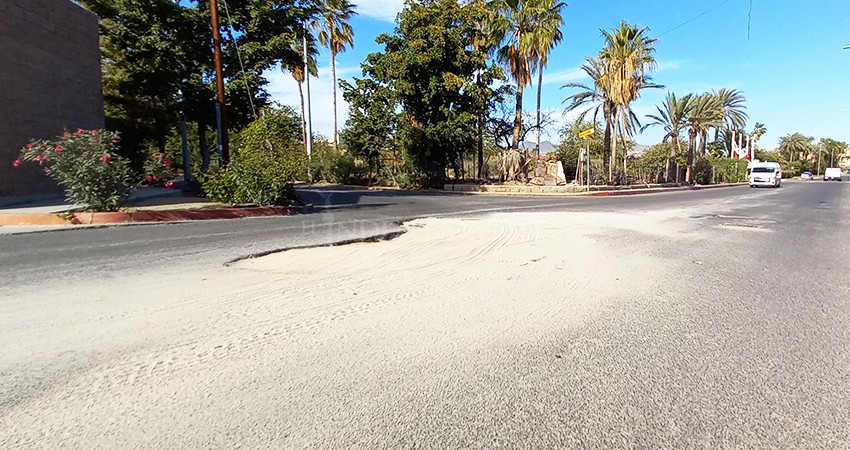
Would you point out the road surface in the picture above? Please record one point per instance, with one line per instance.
(716, 318)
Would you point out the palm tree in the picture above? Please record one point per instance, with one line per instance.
(672, 117)
(795, 144)
(596, 98)
(702, 114)
(511, 26)
(297, 71)
(732, 102)
(627, 58)
(335, 34)
(545, 36)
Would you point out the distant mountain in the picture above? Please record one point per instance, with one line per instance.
(545, 146)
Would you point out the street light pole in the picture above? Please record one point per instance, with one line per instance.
(219, 81)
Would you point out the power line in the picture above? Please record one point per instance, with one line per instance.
(697, 17)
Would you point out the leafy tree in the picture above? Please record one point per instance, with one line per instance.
(335, 33)
(157, 60)
(571, 145)
(373, 120)
(427, 73)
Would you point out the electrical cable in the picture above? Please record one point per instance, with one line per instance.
(239, 56)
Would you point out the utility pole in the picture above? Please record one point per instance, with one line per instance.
(219, 81)
(309, 120)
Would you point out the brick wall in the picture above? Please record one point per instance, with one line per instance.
(50, 80)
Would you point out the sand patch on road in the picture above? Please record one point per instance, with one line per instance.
(291, 348)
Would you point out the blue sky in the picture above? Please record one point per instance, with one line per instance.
(792, 67)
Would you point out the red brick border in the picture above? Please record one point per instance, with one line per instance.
(172, 215)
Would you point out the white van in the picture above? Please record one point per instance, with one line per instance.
(833, 173)
(765, 174)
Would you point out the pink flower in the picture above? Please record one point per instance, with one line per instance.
(79, 132)
(106, 158)
(29, 146)
(47, 171)
(17, 163)
(94, 132)
(41, 158)
(166, 163)
(169, 184)
(65, 135)
(58, 149)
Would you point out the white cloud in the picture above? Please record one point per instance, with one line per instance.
(385, 10)
(284, 90)
(564, 76)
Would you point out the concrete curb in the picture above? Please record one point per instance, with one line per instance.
(659, 190)
(572, 191)
(172, 215)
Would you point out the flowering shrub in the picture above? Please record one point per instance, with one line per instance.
(159, 170)
(86, 165)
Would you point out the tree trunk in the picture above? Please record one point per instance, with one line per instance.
(333, 75)
(303, 115)
(613, 161)
(675, 147)
(481, 145)
(480, 123)
(703, 142)
(539, 90)
(606, 147)
(205, 148)
(692, 136)
(517, 120)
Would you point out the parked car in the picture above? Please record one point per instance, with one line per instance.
(806, 175)
(832, 173)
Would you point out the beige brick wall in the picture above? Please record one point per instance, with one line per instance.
(50, 80)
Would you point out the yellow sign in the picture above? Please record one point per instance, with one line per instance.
(586, 133)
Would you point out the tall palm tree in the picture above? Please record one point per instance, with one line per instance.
(734, 117)
(596, 99)
(672, 115)
(335, 34)
(627, 58)
(545, 36)
(702, 114)
(297, 71)
(511, 26)
(714, 119)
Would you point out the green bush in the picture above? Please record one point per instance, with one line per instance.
(219, 185)
(87, 165)
(710, 170)
(332, 165)
(265, 161)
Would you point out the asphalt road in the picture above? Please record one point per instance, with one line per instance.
(742, 342)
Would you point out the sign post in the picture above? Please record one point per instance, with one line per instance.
(586, 134)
